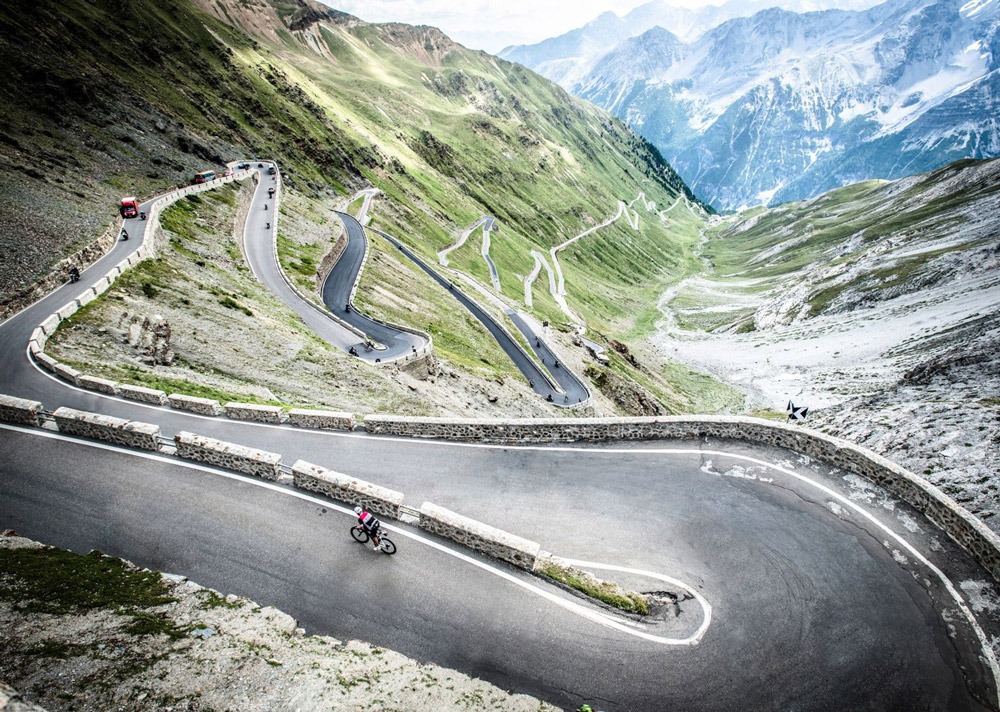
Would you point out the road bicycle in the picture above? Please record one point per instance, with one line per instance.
(383, 541)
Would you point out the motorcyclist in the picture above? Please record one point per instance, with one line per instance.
(370, 524)
(124, 234)
(74, 274)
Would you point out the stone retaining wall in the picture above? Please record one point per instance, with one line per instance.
(331, 258)
(254, 412)
(335, 485)
(321, 419)
(481, 537)
(193, 404)
(20, 411)
(60, 272)
(129, 433)
(230, 456)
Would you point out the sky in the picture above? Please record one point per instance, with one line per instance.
(492, 25)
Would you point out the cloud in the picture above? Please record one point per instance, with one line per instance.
(487, 24)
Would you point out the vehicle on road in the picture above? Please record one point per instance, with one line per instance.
(243, 166)
(228, 173)
(272, 170)
(129, 207)
(204, 177)
(381, 539)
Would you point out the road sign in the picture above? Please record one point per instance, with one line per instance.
(796, 413)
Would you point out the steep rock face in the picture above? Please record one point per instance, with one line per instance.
(782, 106)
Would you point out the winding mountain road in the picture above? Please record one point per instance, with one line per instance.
(337, 292)
(824, 593)
(556, 384)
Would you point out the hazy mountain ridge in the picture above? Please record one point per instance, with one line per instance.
(781, 106)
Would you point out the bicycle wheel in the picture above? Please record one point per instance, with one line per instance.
(359, 534)
(387, 545)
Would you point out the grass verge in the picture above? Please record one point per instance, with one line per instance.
(591, 586)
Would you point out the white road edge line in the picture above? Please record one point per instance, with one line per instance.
(584, 612)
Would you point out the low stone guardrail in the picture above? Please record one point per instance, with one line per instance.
(46, 361)
(85, 298)
(142, 394)
(50, 324)
(20, 411)
(67, 311)
(344, 488)
(230, 456)
(481, 537)
(130, 433)
(321, 419)
(66, 372)
(39, 338)
(101, 385)
(254, 412)
(964, 528)
(194, 404)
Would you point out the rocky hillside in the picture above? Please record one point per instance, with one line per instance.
(877, 306)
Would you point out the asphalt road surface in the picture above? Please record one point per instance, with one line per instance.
(824, 594)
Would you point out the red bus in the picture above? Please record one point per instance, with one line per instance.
(129, 207)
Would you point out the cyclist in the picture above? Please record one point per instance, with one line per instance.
(369, 523)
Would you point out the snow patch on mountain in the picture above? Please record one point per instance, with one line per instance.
(779, 106)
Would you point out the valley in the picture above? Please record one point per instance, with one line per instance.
(875, 304)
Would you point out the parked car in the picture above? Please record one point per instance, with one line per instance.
(129, 207)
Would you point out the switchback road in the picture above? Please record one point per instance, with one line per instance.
(825, 593)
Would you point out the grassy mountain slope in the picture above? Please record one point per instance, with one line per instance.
(445, 134)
